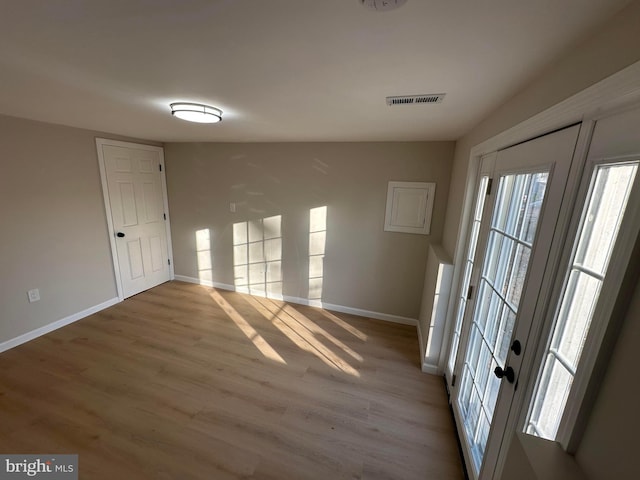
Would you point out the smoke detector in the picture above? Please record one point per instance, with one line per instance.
(383, 5)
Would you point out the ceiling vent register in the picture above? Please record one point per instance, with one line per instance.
(416, 99)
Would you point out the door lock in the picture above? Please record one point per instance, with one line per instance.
(507, 373)
(119, 234)
(516, 347)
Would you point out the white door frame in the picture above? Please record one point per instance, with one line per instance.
(100, 142)
(610, 94)
(613, 92)
(545, 245)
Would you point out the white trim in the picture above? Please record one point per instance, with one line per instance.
(107, 211)
(544, 298)
(433, 308)
(470, 470)
(421, 344)
(100, 142)
(474, 174)
(38, 332)
(614, 92)
(430, 369)
(423, 224)
(609, 296)
(618, 89)
(205, 283)
(425, 366)
(387, 317)
(305, 301)
(167, 223)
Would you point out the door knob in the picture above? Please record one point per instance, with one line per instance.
(507, 373)
(120, 234)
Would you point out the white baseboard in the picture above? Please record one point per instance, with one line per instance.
(38, 332)
(422, 346)
(206, 283)
(424, 365)
(430, 369)
(305, 301)
(353, 311)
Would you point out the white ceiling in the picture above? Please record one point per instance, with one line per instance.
(281, 70)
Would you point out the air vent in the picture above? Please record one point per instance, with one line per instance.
(415, 99)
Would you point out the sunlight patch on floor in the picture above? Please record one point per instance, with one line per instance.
(303, 333)
(246, 328)
(349, 328)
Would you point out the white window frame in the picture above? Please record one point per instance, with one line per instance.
(615, 92)
(574, 416)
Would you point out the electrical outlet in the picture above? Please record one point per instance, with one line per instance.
(34, 295)
(232, 207)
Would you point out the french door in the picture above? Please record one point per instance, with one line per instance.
(513, 235)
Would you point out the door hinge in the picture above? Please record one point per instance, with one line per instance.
(489, 184)
(168, 261)
(453, 380)
(470, 292)
(164, 215)
(160, 166)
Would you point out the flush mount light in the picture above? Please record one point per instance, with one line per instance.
(196, 112)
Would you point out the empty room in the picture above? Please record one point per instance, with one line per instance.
(296, 239)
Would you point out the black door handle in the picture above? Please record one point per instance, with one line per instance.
(507, 373)
(119, 234)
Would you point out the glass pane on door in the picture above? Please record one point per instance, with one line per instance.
(506, 260)
(468, 267)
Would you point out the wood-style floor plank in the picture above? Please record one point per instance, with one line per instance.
(189, 382)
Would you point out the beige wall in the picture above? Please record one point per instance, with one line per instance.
(609, 446)
(54, 231)
(365, 267)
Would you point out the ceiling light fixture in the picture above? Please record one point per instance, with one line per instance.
(383, 5)
(196, 112)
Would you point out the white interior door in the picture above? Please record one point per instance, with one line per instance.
(516, 231)
(135, 199)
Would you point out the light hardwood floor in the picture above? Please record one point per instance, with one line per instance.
(187, 382)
